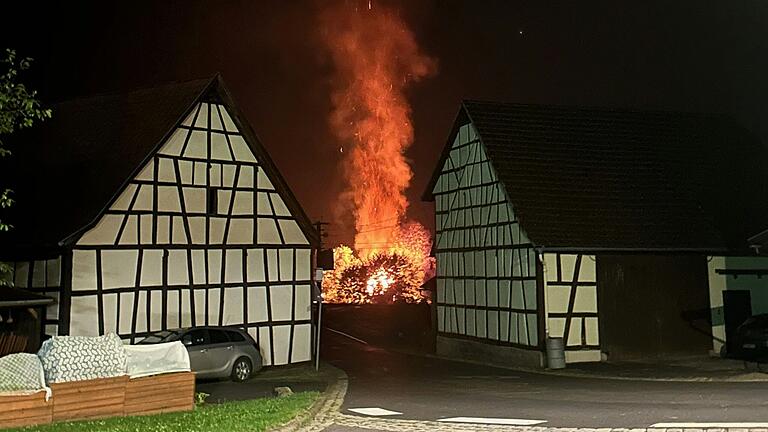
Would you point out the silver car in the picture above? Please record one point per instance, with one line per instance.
(215, 352)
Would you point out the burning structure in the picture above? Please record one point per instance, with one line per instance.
(375, 57)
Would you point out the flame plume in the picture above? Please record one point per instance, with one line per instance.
(376, 58)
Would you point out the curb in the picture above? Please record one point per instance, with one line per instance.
(321, 413)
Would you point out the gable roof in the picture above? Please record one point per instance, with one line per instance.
(66, 170)
(603, 179)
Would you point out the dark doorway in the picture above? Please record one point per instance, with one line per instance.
(646, 303)
(737, 307)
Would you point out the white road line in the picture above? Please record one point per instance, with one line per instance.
(490, 420)
(374, 411)
(709, 425)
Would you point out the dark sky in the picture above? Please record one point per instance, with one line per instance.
(673, 55)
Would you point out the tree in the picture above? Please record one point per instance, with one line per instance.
(19, 108)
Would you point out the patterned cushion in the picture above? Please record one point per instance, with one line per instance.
(21, 372)
(78, 358)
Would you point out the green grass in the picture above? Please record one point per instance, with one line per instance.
(251, 415)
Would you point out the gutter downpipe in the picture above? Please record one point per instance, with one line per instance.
(540, 252)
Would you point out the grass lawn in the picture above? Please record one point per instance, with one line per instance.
(251, 415)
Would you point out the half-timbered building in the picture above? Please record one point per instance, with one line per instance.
(615, 230)
(158, 209)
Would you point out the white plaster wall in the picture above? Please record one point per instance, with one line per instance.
(229, 226)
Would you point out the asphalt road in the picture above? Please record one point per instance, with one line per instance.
(431, 389)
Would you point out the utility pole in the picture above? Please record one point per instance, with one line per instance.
(319, 227)
(319, 298)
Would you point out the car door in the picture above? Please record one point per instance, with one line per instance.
(197, 343)
(219, 352)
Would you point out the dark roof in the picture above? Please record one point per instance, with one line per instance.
(599, 179)
(15, 297)
(66, 170)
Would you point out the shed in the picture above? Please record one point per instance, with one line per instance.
(602, 226)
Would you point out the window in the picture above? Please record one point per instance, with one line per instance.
(218, 336)
(194, 338)
(235, 336)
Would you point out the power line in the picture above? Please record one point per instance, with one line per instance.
(381, 221)
(378, 229)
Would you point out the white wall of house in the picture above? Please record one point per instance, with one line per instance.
(486, 266)
(571, 302)
(742, 280)
(200, 236)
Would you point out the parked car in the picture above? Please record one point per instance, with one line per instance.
(215, 352)
(752, 338)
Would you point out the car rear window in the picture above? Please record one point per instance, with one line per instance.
(218, 336)
(235, 336)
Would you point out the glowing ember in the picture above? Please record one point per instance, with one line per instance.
(376, 57)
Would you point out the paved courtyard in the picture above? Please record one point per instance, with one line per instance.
(399, 392)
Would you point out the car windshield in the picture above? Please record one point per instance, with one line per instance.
(159, 337)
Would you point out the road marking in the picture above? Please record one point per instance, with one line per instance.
(709, 425)
(374, 411)
(490, 420)
(349, 336)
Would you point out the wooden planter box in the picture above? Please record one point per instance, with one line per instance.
(97, 398)
(101, 398)
(25, 410)
(160, 393)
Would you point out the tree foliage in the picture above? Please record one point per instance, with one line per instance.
(19, 108)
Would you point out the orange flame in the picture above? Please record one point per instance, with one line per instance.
(376, 58)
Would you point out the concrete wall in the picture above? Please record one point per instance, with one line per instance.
(483, 352)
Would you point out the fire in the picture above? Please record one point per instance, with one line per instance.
(387, 276)
(379, 282)
(376, 58)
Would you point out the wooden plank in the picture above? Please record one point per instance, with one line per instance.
(26, 413)
(9, 403)
(161, 379)
(158, 403)
(161, 389)
(88, 387)
(159, 409)
(73, 404)
(25, 410)
(90, 409)
(160, 393)
(97, 398)
(143, 387)
(154, 380)
(158, 399)
(168, 394)
(168, 409)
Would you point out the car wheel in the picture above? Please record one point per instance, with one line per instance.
(241, 370)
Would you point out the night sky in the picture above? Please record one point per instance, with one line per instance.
(671, 55)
